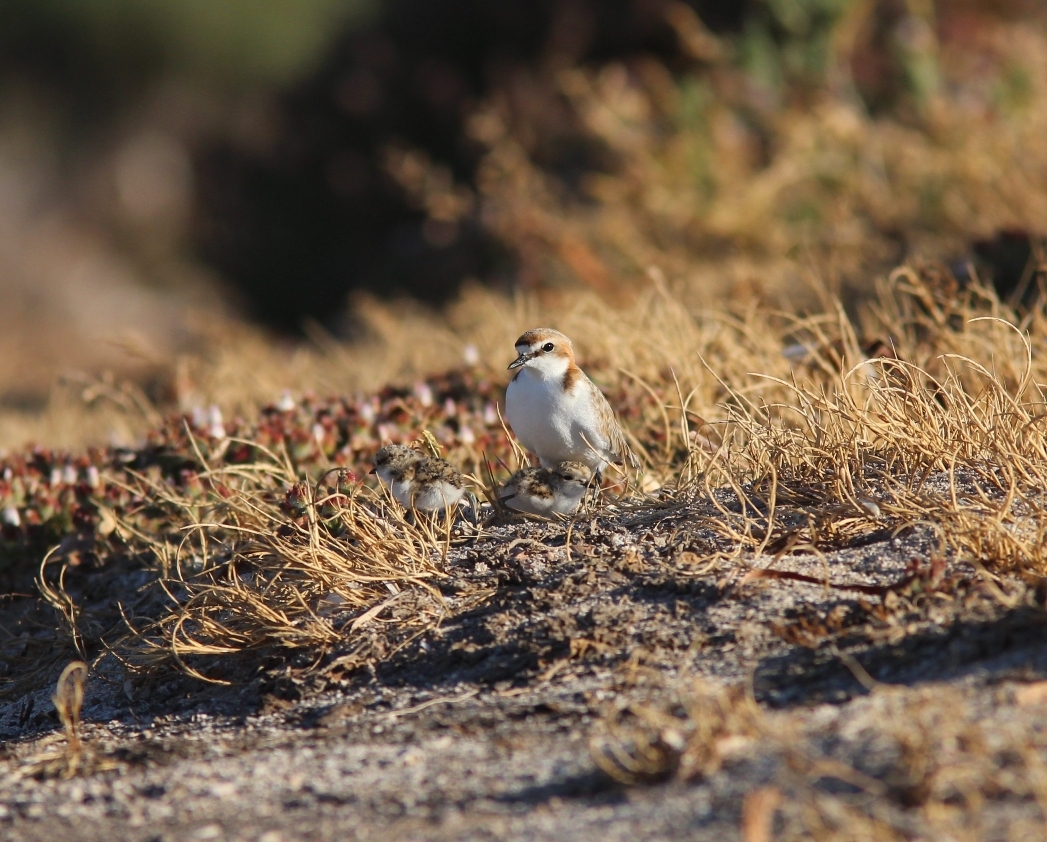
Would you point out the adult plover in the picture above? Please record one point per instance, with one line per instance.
(556, 411)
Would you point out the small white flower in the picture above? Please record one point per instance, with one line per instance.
(214, 422)
(471, 354)
(9, 515)
(286, 402)
(93, 480)
(424, 393)
(368, 411)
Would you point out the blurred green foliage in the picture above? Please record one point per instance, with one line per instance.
(788, 41)
(225, 42)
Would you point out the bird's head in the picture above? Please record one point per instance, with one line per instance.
(545, 351)
(573, 474)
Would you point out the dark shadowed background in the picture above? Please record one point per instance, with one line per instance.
(170, 170)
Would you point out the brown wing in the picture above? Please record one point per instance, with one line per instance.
(438, 469)
(526, 481)
(615, 437)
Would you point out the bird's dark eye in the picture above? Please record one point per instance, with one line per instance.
(547, 347)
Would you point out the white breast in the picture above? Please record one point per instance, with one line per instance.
(530, 504)
(395, 482)
(540, 417)
(555, 425)
(435, 496)
(568, 499)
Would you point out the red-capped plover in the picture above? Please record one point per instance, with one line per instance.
(556, 411)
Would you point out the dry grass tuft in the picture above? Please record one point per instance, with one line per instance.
(75, 756)
(947, 429)
(919, 761)
(253, 560)
(924, 408)
(637, 743)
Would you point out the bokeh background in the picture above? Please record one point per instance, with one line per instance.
(210, 202)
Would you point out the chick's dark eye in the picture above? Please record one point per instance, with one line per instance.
(547, 347)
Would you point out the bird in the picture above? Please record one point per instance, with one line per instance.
(395, 465)
(421, 483)
(556, 411)
(547, 491)
(436, 485)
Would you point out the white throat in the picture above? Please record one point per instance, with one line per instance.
(547, 367)
(387, 474)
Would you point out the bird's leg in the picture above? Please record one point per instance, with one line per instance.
(473, 506)
(592, 495)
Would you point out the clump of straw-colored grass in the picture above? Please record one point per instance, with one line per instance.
(260, 562)
(957, 399)
(821, 440)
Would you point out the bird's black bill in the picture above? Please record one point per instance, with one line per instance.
(519, 361)
(373, 471)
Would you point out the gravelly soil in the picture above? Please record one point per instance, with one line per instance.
(482, 728)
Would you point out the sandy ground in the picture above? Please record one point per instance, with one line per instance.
(910, 708)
